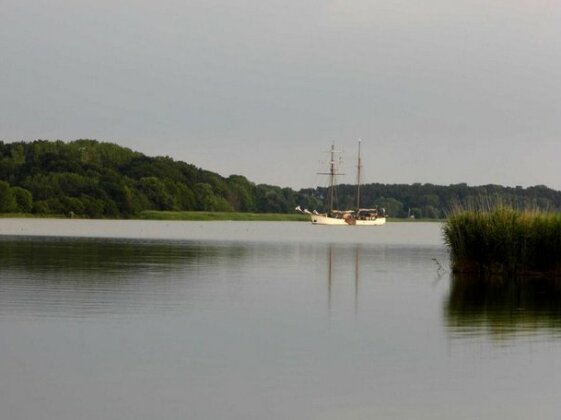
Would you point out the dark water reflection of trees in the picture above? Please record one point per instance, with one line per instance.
(503, 308)
(105, 256)
(71, 277)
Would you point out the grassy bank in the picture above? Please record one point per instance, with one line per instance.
(206, 216)
(212, 215)
(182, 215)
(31, 216)
(504, 242)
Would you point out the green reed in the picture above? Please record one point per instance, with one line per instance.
(504, 241)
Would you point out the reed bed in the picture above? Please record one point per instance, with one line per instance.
(504, 241)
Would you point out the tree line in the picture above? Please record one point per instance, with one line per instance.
(437, 201)
(89, 178)
(98, 179)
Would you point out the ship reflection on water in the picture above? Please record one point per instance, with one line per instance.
(333, 274)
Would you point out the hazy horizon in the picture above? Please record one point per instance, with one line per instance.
(439, 92)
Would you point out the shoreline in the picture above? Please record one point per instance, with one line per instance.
(201, 216)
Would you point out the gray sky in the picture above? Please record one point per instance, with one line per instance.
(440, 91)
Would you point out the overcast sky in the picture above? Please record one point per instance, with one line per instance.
(440, 91)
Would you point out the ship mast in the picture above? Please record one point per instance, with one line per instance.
(332, 173)
(331, 177)
(358, 169)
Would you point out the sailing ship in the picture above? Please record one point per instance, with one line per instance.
(358, 217)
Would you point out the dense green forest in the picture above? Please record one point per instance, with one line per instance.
(94, 179)
(436, 201)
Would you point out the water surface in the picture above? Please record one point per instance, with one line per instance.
(235, 320)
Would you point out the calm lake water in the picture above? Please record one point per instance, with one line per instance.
(259, 320)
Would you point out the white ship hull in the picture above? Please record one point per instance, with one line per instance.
(323, 219)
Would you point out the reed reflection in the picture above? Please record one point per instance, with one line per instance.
(503, 308)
